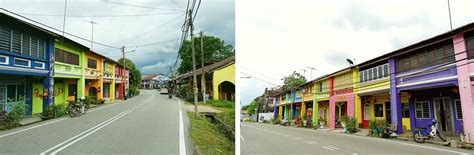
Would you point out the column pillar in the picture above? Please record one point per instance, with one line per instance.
(466, 90)
(395, 100)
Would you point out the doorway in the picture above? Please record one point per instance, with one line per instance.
(341, 109)
(443, 113)
(73, 91)
(366, 115)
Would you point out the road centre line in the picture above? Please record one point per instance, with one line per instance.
(82, 133)
(84, 136)
(182, 144)
(332, 147)
(376, 139)
(327, 148)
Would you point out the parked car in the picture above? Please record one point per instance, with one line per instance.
(163, 91)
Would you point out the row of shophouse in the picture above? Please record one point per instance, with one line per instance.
(409, 87)
(43, 68)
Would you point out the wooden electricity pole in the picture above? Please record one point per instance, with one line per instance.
(203, 71)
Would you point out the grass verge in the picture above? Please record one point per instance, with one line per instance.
(207, 137)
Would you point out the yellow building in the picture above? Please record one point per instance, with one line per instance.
(94, 74)
(220, 80)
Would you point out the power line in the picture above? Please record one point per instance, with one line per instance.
(101, 16)
(140, 35)
(47, 26)
(266, 81)
(140, 6)
(150, 44)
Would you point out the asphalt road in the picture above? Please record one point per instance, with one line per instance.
(257, 138)
(146, 124)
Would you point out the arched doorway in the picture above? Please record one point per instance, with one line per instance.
(227, 91)
(92, 91)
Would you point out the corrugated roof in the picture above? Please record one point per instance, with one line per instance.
(209, 68)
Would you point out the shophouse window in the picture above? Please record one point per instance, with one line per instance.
(378, 108)
(11, 93)
(470, 47)
(375, 73)
(457, 103)
(405, 110)
(22, 62)
(22, 43)
(320, 87)
(422, 110)
(91, 63)
(66, 57)
(437, 54)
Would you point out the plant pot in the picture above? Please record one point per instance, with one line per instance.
(305, 123)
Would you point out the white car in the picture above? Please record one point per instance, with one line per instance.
(163, 91)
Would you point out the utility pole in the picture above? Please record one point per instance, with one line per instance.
(203, 71)
(92, 33)
(265, 100)
(195, 91)
(123, 73)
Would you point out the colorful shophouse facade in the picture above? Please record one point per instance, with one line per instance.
(41, 68)
(432, 79)
(26, 64)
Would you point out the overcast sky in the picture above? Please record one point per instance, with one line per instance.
(215, 17)
(274, 37)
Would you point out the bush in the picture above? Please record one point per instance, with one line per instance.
(221, 103)
(14, 117)
(55, 111)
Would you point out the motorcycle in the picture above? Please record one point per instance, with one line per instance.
(77, 108)
(170, 93)
(422, 134)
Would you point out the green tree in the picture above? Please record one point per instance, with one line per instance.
(293, 80)
(215, 50)
(251, 107)
(135, 77)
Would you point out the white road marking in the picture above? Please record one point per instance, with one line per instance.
(242, 137)
(327, 148)
(314, 142)
(182, 144)
(70, 139)
(62, 119)
(12, 133)
(308, 142)
(377, 139)
(332, 147)
(84, 136)
(298, 138)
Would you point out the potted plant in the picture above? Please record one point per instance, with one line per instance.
(305, 119)
(351, 124)
(322, 122)
(343, 121)
(373, 131)
(381, 125)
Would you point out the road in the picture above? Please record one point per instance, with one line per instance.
(258, 138)
(146, 124)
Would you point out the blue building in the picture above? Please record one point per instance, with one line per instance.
(26, 64)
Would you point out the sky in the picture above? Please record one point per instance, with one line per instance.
(214, 17)
(276, 37)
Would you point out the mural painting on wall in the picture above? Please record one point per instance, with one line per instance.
(58, 91)
(37, 93)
